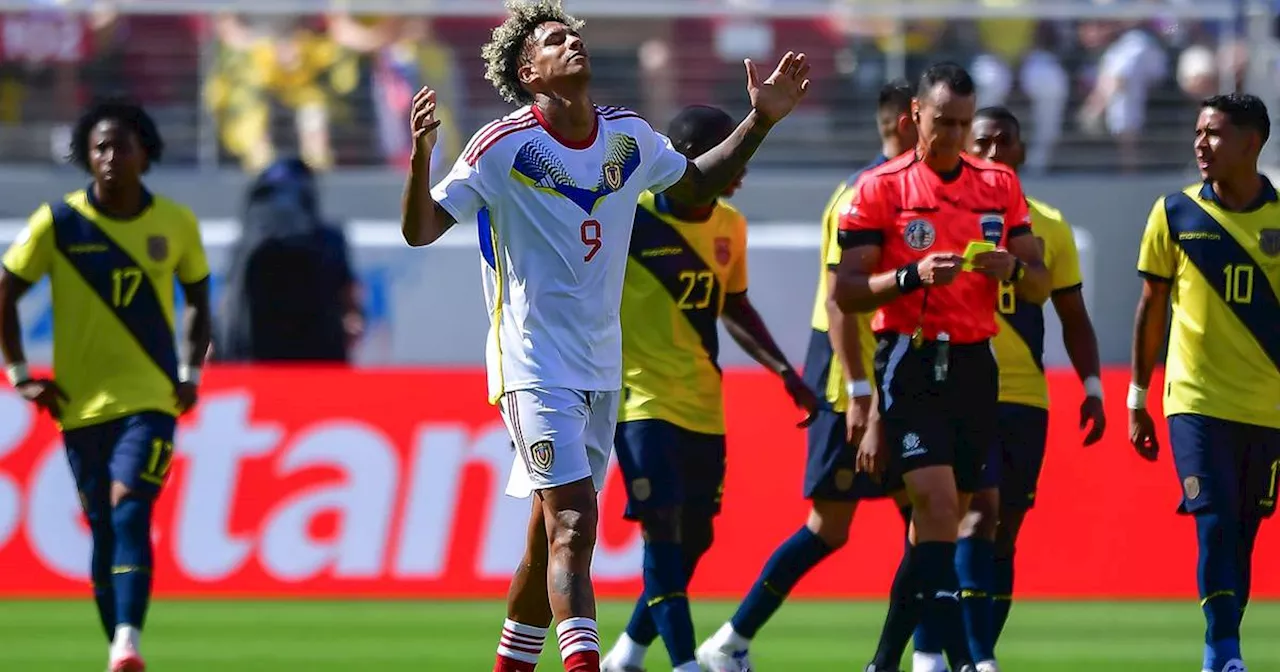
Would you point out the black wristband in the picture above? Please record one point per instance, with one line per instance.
(908, 278)
(1018, 269)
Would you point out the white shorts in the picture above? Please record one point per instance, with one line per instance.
(560, 436)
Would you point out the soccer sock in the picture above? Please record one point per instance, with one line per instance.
(641, 629)
(131, 569)
(579, 644)
(975, 566)
(1218, 571)
(1002, 594)
(1248, 537)
(793, 559)
(665, 586)
(519, 647)
(934, 565)
(104, 549)
(903, 614)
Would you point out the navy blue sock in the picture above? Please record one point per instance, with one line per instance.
(975, 566)
(641, 628)
(1002, 593)
(903, 615)
(104, 548)
(793, 559)
(131, 568)
(1248, 537)
(1218, 572)
(665, 586)
(934, 565)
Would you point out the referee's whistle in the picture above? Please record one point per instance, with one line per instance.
(941, 357)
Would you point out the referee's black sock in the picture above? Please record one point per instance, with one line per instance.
(935, 565)
(903, 615)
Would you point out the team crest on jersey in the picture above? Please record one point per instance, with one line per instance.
(157, 248)
(992, 227)
(1191, 485)
(1269, 242)
(723, 250)
(844, 479)
(613, 176)
(641, 489)
(542, 455)
(919, 234)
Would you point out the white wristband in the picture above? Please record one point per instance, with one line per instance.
(1137, 397)
(1093, 387)
(18, 373)
(858, 388)
(189, 374)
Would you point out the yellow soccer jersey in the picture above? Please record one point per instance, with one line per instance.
(830, 381)
(1019, 345)
(1224, 340)
(114, 350)
(678, 274)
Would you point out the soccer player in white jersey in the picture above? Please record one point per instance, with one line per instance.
(553, 187)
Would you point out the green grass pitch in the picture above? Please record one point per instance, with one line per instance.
(63, 636)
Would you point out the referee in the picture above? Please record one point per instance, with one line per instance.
(905, 237)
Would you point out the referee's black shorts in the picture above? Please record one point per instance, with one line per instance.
(928, 423)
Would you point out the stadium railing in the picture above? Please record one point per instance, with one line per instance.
(216, 102)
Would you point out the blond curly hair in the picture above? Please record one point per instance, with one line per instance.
(506, 48)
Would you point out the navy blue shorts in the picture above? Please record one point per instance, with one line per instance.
(830, 471)
(1017, 456)
(667, 466)
(929, 423)
(136, 450)
(1225, 465)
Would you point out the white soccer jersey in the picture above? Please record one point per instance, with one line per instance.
(555, 222)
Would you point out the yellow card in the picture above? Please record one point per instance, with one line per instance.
(975, 248)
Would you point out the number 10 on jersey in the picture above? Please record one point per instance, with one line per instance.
(590, 231)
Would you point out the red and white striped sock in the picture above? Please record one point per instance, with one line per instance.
(579, 644)
(519, 647)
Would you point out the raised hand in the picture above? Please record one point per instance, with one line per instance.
(775, 97)
(422, 120)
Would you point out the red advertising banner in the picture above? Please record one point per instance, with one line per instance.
(301, 482)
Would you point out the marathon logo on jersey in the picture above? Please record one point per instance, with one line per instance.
(1269, 242)
(992, 227)
(542, 455)
(723, 250)
(157, 248)
(912, 446)
(919, 234)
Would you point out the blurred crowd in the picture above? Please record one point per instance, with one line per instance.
(334, 89)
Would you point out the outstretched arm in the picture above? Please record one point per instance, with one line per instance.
(747, 328)
(706, 177)
(11, 289)
(422, 219)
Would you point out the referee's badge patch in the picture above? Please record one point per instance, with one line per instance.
(723, 250)
(542, 455)
(919, 234)
(1269, 242)
(641, 489)
(1191, 485)
(992, 228)
(157, 248)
